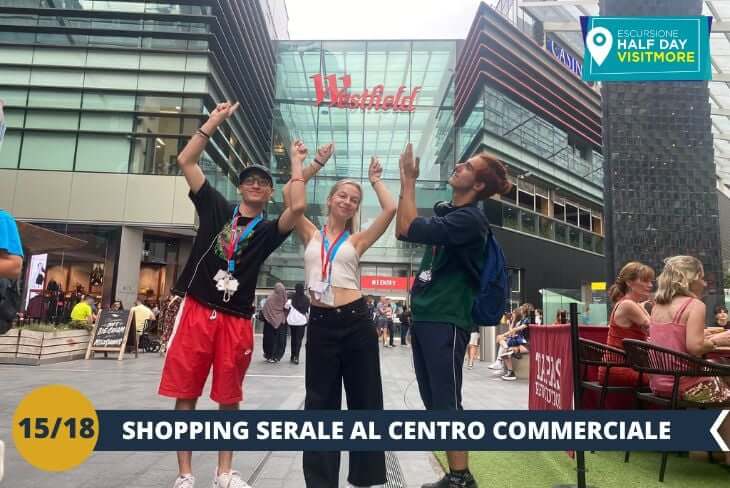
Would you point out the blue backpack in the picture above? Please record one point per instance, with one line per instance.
(491, 300)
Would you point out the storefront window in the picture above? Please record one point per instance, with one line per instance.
(107, 101)
(101, 153)
(53, 99)
(67, 276)
(547, 228)
(158, 125)
(585, 219)
(526, 200)
(528, 221)
(155, 156)
(587, 241)
(509, 217)
(574, 236)
(159, 104)
(38, 145)
(571, 214)
(561, 233)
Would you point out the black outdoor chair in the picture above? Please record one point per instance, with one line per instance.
(649, 358)
(591, 353)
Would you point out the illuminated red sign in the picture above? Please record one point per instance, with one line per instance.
(374, 99)
(386, 282)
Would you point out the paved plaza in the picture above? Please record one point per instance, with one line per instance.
(132, 384)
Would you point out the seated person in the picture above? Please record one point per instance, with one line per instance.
(514, 342)
(678, 322)
(629, 319)
(142, 313)
(82, 316)
(721, 317)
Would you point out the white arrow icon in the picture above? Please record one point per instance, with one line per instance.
(599, 42)
(713, 430)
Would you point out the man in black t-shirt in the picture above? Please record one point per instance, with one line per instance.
(213, 326)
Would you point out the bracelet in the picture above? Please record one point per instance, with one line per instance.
(298, 179)
(203, 133)
(376, 181)
(320, 163)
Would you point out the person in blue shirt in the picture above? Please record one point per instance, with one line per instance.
(11, 251)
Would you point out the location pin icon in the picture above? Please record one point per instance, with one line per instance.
(599, 42)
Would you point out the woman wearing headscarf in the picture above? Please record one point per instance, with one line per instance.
(275, 324)
(296, 319)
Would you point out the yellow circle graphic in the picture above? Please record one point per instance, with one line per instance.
(55, 428)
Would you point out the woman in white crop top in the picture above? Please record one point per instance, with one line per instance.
(342, 343)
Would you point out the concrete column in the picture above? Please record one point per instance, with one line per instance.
(174, 270)
(487, 344)
(130, 257)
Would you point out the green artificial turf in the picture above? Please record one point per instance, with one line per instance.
(603, 470)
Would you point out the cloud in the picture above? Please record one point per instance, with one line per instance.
(380, 19)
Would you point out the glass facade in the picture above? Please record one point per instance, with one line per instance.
(359, 133)
(365, 131)
(79, 99)
(500, 115)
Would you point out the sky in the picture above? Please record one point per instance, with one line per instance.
(380, 19)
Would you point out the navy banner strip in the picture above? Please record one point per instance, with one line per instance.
(396, 430)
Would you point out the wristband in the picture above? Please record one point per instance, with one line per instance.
(203, 133)
(321, 164)
(297, 179)
(376, 181)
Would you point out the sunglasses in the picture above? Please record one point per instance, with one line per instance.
(259, 180)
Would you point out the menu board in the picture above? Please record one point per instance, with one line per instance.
(111, 332)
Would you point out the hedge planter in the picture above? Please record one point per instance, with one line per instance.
(21, 346)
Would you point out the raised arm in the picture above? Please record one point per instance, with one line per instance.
(297, 193)
(190, 155)
(407, 210)
(366, 238)
(304, 227)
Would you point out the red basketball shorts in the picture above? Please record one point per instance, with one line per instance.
(202, 338)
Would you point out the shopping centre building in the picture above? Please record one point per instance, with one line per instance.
(100, 97)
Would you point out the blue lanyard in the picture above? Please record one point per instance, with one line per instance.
(328, 256)
(233, 247)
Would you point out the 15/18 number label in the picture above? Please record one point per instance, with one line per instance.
(55, 428)
(44, 428)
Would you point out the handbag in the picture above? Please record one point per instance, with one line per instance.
(9, 303)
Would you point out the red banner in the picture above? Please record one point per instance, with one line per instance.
(386, 282)
(551, 368)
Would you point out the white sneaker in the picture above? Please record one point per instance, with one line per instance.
(184, 481)
(230, 480)
(495, 365)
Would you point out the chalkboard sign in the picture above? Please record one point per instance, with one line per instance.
(111, 331)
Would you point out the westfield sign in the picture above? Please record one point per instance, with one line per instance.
(328, 91)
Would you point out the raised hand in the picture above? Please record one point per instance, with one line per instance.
(324, 153)
(223, 111)
(409, 165)
(375, 171)
(298, 150)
